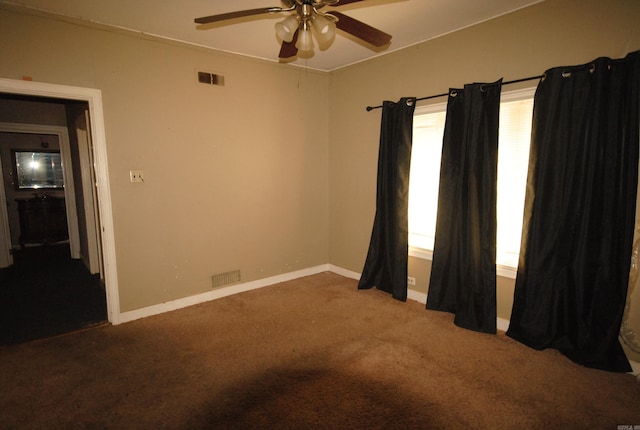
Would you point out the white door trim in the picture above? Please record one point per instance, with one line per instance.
(94, 99)
(6, 258)
(88, 184)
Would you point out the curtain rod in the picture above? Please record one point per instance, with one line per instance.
(531, 78)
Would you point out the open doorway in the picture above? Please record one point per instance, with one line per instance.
(29, 112)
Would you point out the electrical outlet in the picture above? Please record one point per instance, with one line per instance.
(411, 280)
(136, 176)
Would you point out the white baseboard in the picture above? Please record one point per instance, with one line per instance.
(217, 294)
(411, 294)
(503, 324)
(417, 296)
(635, 365)
(344, 272)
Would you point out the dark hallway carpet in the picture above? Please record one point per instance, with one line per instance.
(46, 293)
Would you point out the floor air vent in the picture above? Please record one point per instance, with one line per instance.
(226, 278)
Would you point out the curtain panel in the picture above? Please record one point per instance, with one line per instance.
(579, 216)
(463, 273)
(387, 258)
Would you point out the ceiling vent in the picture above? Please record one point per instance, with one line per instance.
(210, 78)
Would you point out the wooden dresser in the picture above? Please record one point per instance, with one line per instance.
(42, 220)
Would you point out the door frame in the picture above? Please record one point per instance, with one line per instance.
(87, 176)
(6, 258)
(67, 174)
(93, 97)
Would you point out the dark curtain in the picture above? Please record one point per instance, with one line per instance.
(580, 212)
(387, 258)
(463, 272)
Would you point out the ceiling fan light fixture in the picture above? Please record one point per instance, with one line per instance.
(324, 27)
(304, 22)
(305, 40)
(286, 28)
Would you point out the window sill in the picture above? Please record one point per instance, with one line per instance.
(426, 254)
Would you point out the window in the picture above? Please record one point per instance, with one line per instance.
(516, 111)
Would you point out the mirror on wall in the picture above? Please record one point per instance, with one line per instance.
(38, 170)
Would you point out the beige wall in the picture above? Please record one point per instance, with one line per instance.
(517, 45)
(236, 177)
(276, 170)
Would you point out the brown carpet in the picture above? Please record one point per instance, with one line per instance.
(311, 353)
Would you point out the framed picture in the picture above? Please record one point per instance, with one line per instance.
(37, 170)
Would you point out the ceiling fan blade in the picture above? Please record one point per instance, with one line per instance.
(289, 49)
(361, 30)
(343, 2)
(237, 14)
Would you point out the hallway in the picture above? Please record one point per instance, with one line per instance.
(46, 293)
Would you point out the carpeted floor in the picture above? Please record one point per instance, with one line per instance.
(46, 293)
(310, 353)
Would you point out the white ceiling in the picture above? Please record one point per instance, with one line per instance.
(408, 21)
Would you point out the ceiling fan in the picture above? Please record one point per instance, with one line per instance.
(303, 16)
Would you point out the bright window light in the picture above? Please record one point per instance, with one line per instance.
(516, 110)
